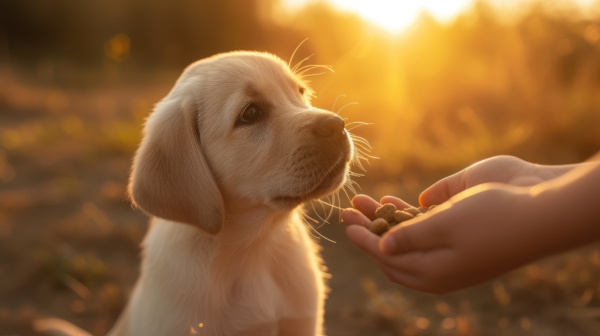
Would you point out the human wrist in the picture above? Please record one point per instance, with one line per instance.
(549, 172)
(563, 218)
(527, 225)
(511, 239)
(546, 172)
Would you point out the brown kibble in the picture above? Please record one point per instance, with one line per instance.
(423, 209)
(412, 210)
(386, 212)
(401, 216)
(379, 226)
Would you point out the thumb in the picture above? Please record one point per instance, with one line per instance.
(421, 234)
(443, 190)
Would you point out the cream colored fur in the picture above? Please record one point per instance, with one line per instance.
(226, 252)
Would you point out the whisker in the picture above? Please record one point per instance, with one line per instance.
(339, 206)
(351, 188)
(365, 157)
(331, 209)
(360, 122)
(361, 142)
(331, 205)
(363, 152)
(328, 215)
(320, 235)
(314, 66)
(364, 149)
(310, 227)
(335, 101)
(359, 138)
(356, 126)
(294, 53)
(316, 213)
(310, 75)
(353, 183)
(360, 153)
(352, 103)
(364, 145)
(295, 68)
(347, 196)
(303, 70)
(312, 219)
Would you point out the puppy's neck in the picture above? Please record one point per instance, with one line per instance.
(251, 225)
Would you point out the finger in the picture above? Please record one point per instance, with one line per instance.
(400, 276)
(400, 204)
(421, 234)
(425, 271)
(443, 190)
(366, 205)
(355, 217)
(369, 242)
(365, 240)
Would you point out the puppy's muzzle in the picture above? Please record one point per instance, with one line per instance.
(320, 162)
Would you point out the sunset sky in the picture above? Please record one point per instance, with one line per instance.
(396, 15)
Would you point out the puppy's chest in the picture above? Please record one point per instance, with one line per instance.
(279, 287)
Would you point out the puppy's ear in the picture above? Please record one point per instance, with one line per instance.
(170, 178)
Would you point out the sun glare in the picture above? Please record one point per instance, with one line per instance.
(396, 15)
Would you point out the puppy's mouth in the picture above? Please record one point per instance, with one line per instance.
(329, 180)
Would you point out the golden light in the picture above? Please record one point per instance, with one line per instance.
(397, 15)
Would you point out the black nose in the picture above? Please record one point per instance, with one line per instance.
(329, 126)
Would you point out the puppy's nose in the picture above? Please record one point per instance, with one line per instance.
(329, 126)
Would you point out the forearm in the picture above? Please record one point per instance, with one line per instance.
(566, 211)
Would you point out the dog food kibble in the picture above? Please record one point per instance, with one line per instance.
(413, 211)
(379, 226)
(388, 217)
(386, 212)
(401, 216)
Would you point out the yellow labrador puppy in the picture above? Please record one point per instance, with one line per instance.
(227, 157)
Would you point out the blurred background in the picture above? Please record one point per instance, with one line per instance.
(444, 84)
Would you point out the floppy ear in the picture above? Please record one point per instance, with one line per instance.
(170, 178)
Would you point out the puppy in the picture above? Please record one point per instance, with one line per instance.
(226, 159)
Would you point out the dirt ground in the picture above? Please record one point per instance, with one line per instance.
(69, 238)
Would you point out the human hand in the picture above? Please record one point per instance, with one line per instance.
(502, 169)
(475, 236)
(484, 231)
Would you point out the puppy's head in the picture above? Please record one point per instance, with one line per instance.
(237, 128)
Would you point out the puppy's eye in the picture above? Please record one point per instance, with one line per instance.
(302, 90)
(251, 114)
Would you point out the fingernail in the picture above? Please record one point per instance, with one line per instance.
(388, 244)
